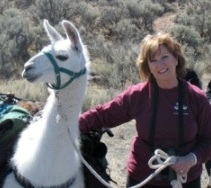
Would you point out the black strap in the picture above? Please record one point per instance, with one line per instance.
(154, 115)
(180, 117)
(151, 138)
(27, 184)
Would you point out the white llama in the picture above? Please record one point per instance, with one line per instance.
(45, 156)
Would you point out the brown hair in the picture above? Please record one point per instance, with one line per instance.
(150, 45)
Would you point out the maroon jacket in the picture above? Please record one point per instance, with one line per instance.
(136, 103)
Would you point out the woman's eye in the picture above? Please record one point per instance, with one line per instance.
(62, 57)
(152, 61)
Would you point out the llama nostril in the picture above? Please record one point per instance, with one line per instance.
(28, 67)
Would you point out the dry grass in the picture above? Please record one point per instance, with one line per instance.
(23, 89)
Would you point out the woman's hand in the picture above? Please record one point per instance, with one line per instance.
(184, 163)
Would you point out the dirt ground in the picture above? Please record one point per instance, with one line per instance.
(118, 149)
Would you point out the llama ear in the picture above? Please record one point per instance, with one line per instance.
(51, 32)
(73, 34)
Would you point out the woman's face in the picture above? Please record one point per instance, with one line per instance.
(163, 66)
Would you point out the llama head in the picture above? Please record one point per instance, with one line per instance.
(59, 63)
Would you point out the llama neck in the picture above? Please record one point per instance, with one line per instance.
(67, 102)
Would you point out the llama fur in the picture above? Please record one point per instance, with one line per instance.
(45, 154)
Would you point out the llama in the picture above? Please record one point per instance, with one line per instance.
(192, 77)
(208, 92)
(45, 155)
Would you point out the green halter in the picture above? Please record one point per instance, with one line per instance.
(57, 69)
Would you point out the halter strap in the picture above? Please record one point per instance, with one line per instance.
(27, 184)
(58, 70)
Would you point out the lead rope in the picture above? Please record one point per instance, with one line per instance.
(164, 161)
(161, 158)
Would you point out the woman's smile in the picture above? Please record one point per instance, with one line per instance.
(163, 67)
(163, 71)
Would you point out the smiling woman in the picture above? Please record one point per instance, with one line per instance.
(165, 108)
(164, 47)
(163, 67)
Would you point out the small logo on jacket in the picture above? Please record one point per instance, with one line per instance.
(184, 107)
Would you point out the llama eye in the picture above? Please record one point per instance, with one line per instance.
(62, 57)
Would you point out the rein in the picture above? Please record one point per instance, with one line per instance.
(58, 70)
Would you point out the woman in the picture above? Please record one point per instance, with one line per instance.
(170, 114)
